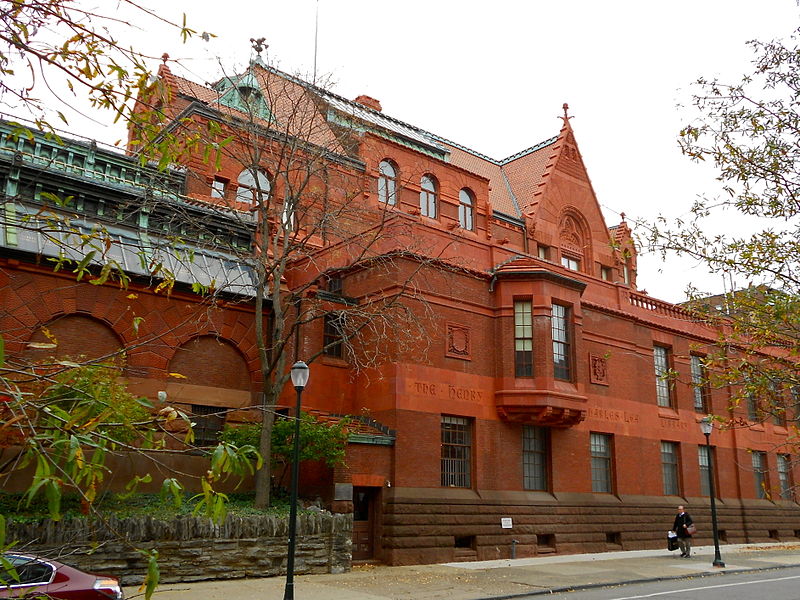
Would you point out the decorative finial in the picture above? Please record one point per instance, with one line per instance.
(566, 108)
(164, 58)
(258, 45)
(622, 215)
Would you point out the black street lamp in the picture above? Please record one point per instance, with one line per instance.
(299, 380)
(706, 426)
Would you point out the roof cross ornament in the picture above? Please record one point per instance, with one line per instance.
(566, 116)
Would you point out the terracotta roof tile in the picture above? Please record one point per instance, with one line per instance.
(291, 104)
(499, 195)
(524, 172)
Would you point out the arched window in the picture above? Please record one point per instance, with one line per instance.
(248, 187)
(466, 209)
(387, 183)
(427, 196)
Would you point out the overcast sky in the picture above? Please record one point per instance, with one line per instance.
(493, 76)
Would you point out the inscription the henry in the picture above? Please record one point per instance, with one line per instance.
(446, 390)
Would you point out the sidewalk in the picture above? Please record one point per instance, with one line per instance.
(491, 579)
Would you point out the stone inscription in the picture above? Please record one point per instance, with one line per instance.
(615, 416)
(665, 423)
(447, 391)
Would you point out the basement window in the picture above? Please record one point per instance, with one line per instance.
(207, 422)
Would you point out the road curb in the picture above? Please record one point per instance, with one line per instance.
(593, 586)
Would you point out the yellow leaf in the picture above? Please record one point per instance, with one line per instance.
(178, 376)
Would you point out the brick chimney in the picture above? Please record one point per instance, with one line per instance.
(369, 102)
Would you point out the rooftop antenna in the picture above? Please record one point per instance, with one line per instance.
(316, 34)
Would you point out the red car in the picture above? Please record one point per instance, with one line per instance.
(24, 576)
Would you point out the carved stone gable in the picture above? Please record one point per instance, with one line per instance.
(570, 235)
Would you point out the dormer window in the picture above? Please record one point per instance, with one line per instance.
(249, 95)
(252, 188)
(243, 94)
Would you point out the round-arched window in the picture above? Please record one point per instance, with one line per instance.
(427, 196)
(249, 186)
(387, 183)
(466, 209)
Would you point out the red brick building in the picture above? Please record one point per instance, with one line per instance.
(534, 411)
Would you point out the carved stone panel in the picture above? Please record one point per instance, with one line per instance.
(598, 369)
(458, 341)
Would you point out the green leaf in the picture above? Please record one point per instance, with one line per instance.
(153, 574)
(141, 400)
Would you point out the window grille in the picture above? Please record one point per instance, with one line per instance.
(534, 457)
(669, 468)
(208, 422)
(785, 476)
(600, 446)
(760, 474)
(456, 452)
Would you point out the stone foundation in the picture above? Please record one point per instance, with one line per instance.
(432, 526)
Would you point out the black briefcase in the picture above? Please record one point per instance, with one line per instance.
(672, 542)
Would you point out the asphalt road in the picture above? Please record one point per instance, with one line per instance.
(780, 584)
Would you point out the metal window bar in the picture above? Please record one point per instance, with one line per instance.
(669, 468)
(456, 452)
(760, 474)
(785, 477)
(208, 422)
(534, 458)
(705, 461)
(600, 446)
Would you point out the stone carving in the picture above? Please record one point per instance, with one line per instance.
(458, 341)
(598, 369)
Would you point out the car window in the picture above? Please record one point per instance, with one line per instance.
(29, 571)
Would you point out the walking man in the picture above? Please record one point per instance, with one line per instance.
(681, 529)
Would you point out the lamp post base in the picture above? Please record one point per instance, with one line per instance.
(718, 563)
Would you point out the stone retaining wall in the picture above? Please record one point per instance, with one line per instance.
(192, 548)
